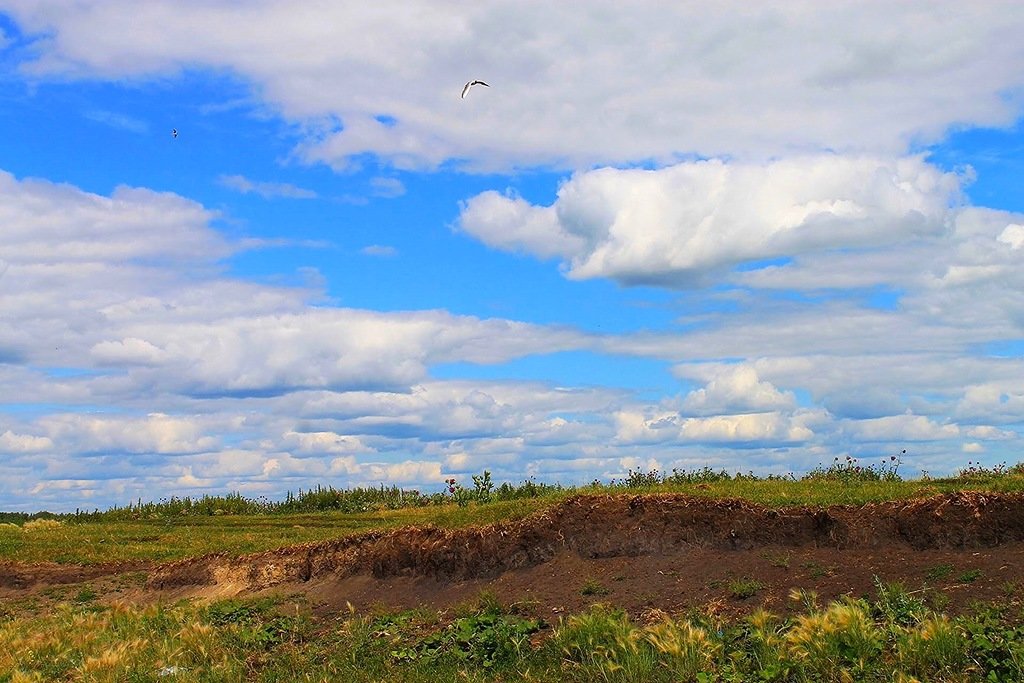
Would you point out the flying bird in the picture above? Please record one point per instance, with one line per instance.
(174, 132)
(469, 85)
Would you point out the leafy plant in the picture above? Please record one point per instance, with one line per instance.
(995, 645)
(896, 606)
(488, 639)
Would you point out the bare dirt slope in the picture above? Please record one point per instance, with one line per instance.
(661, 551)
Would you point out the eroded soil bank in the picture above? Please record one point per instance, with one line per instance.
(595, 527)
(660, 551)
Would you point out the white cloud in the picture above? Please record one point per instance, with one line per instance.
(674, 225)
(902, 428)
(511, 223)
(115, 120)
(23, 443)
(381, 250)
(670, 427)
(47, 224)
(155, 433)
(325, 442)
(1013, 235)
(700, 79)
(387, 187)
(735, 390)
(267, 190)
(990, 433)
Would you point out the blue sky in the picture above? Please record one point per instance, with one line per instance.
(760, 240)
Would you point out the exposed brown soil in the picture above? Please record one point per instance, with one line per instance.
(670, 552)
(25, 575)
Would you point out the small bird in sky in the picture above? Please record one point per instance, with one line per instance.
(174, 132)
(469, 85)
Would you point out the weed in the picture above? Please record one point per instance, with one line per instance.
(935, 648)
(969, 576)
(841, 638)
(939, 572)
(744, 588)
(817, 570)
(593, 587)
(603, 644)
(896, 606)
(995, 645)
(488, 639)
(684, 649)
(850, 470)
(780, 560)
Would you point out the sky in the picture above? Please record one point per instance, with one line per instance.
(755, 237)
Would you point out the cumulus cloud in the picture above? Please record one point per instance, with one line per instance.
(906, 427)
(674, 225)
(48, 224)
(155, 433)
(674, 79)
(756, 429)
(23, 443)
(734, 390)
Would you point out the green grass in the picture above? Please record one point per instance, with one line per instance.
(744, 587)
(593, 587)
(969, 576)
(281, 639)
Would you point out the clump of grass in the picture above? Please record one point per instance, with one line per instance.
(969, 576)
(683, 649)
(897, 606)
(939, 572)
(932, 650)
(818, 570)
(594, 587)
(603, 644)
(41, 524)
(843, 639)
(781, 560)
(744, 587)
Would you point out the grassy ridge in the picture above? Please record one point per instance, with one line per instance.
(160, 535)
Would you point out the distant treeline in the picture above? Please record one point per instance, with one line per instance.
(20, 518)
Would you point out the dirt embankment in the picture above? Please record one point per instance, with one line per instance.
(618, 526)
